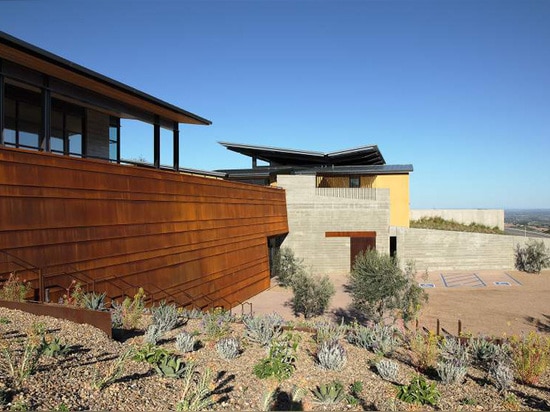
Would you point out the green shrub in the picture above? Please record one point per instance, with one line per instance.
(149, 353)
(128, 314)
(215, 323)
(419, 391)
(285, 266)
(531, 356)
(280, 363)
(312, 294)
(380, 289)
(14, 289)
(424, 350)
(533, 257)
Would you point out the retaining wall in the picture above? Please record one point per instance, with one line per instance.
(446, 250)
(487, 217)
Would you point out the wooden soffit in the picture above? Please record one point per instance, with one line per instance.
(84, 78)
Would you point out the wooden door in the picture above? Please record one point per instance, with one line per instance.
(360, 244)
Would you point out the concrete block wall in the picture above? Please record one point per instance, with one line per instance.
(446, 250)
(487, 217)
(310, 216)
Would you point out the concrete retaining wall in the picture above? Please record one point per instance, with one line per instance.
(487, 217)
(446, 250)
(311, 215)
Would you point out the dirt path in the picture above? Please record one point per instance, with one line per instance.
(471, 297)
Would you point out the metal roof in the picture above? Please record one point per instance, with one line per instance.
(81, 70)
(266, 171)
(364, 155)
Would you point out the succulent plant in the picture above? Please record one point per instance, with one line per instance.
(228, 348)
(262, 329)
(387, 369)
(165, 316)
(185, 342)
(331, 355)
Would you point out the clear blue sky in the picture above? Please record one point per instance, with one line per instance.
(459, 89)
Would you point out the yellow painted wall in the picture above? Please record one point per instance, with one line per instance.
(399, 192)
(399, 197)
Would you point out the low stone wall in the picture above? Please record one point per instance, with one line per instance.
(446, 250)
(487, 217)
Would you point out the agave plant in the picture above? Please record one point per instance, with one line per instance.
(94, 301)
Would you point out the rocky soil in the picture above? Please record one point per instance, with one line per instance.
(65, 383)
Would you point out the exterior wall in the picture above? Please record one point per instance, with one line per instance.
(124, 226)
(487, 217)
(97, 130)
(311, 215)
(399, 197)
(446, 250)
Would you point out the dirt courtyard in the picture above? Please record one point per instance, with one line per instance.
(488, 302)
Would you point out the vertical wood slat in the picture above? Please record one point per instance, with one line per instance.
(143, 225)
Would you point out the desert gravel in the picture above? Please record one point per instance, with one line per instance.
(66, 382)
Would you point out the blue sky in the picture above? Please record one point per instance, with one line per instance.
(459, 89)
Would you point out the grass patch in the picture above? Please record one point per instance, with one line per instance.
(439, 223)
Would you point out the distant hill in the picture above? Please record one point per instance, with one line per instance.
(535, 220)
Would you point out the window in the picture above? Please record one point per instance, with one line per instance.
(22, 116)
(114, 139)
(66, 128)
(354, 181)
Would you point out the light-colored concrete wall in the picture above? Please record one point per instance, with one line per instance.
(446, 250)
(310, 216)
(487, 217)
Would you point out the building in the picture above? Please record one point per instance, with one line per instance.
(338, 203)
(72, 210)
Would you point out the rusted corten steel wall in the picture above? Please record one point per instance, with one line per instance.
(144, 227)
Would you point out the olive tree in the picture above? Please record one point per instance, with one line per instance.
(382, 290)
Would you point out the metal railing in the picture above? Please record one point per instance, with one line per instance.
(347, 192)
(153, 292)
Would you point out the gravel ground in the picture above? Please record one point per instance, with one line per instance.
(65, 383)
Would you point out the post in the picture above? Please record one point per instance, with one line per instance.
(2, 103)
(459, 328)
(176, 147)
(46, 107)
(40, 286)
(156, 142)
(437, 328)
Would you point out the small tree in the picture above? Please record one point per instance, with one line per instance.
(533, 257)
(285, 266)
(312, 294)
(380, 289)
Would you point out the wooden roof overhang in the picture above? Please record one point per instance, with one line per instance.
(32, 57)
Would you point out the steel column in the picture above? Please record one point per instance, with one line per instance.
(176, 147)
(156, 151)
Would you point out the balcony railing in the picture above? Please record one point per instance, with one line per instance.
(348, 192)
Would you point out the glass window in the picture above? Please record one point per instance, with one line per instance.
(354, 181)
(23, 116)
(114, 134)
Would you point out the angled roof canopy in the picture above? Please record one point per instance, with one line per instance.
(27, 55)
(364, 155)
